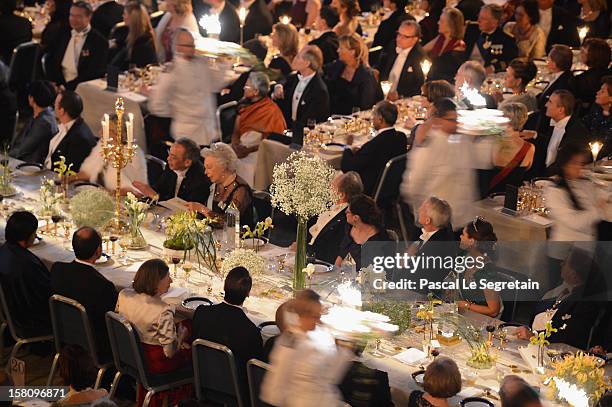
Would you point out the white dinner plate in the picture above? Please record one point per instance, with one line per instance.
(105, 258)
(29, 169)
(322, 268)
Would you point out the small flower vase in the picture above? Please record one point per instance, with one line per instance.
(431, 330)
(137, 240)
(541, 351)
(300, 254)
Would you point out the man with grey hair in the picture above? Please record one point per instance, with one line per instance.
(516, 392)
(183, 177)
(400, 62)
(370, 159)
(186, 94)
(304, 96)
(487, 42)
(327, 233)
(472, 74)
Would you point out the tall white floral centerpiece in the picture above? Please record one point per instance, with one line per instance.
(301, 187)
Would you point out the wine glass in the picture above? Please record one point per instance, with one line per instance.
(376, 351)
(113, 239)
(187, 267)
(55, 218)
(124, 244)
(355, 111)
(175, 261)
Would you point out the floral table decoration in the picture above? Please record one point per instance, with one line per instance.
(136, 215)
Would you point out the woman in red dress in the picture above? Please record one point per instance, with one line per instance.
(446, 51)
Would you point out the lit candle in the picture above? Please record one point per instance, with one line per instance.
(130, 128)
(582, 33)
(595, 149)
(386, 87)
(425, 67)
(285, 20)
(242, 13)
(105, 129)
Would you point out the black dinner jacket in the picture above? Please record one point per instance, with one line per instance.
(370, 160)
(576, 134)
(76, 145)
(26, 284)
(229, 325)
(443, 244)
(194, 188)
(388, 28)
(586, 84)
(14, 30)
(563, 82)
(230, 24)
(328, 44)
(92, 290)
(314, 103)
(106, 16)
(92, 60)
(258, 20)
(32, 143)
(563, 29)
(411, 78)
(327, 244)
(500, 51)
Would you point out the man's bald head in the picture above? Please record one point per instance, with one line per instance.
(87, 244)
(516, 392)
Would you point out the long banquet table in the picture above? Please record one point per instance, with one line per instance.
(270, 290)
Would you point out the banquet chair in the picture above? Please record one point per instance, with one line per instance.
(475, 402)
(256, 370)
(155, 167)
(226, 119)
(22, 72)
(19, 339)
(71, 326)
(129, 360)
(215, 375)
(387, 189)
(262, 202)
(156, 17)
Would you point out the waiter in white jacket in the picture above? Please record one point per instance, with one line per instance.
(305, 371)
(186, 92)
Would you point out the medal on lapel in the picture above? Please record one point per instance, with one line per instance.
(486, 44)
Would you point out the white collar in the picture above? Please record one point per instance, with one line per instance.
(425, 236)
(561, 123)
(403, 51)
(83, 262)
(86, 31)
(181, 174)
(303, 78)
(384, 129)
(547, 11)
(67, 126)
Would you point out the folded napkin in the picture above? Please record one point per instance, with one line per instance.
(411, 356)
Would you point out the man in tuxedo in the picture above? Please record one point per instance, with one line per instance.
(559, 63)
(80, 55)
(436, 239)
(472, 74)
(228, 18)
(74, 140)
(81, 281)
(183, 177)
(32, 143)
(24, 278)
(565, 129)
(388, 26)
(327, 233)
(400, 62)
(304, 95)
(558, 25)
(226, 323)
(107, 14)
(369, 161)
(488, 43)
(328, 39)
(258, 20)
(516, 392)
(14, 30)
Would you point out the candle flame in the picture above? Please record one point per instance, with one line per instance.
(285, 20)
(582, 32)
(595, 148)
(425, 66)
(211, 24)
(386, 87)
(242, 13)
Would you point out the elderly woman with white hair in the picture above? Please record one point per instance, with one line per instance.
(220, 163)
(512, 156)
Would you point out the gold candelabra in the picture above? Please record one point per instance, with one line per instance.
(117, 154)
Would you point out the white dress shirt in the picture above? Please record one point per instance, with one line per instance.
(95, 166)
(70, 62)
(299, 91)
(545, 22)
(324, 219)
(180, 176)
(188, 99)
(64, 128)
(398, 65)
(555, 139)
(425, 236)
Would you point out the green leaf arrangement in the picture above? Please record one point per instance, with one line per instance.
(92, 207)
